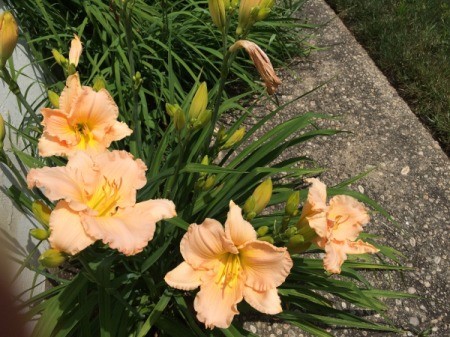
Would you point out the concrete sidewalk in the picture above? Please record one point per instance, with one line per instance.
(411, 179)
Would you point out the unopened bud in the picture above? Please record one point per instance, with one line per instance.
(202, 120)
(41, 212)
(290, 232)
(263, 230)
(234, 138)
(292, 203)
(53, 97)
(177, 114)
(250, 204)
(218, 13)
(209, 182)
(262, 195)
(71, 69)
(9, 34)
(205, 160)
(52, 258)
(137, 80)
(199, 102)
(39, 233)
(99, 83)
(59, 58)
(267, 238)
(297, 244)
(76, 49)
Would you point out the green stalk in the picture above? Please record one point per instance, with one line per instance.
(136, 145)
(14, 87)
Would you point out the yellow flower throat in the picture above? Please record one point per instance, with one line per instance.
(84, 136)
(229, 272)
(104, 199)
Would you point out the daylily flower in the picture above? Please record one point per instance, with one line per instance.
(337, 225)
(229, 265)
(86, 120)
(97, 201)
(75, 50)
(261, 62)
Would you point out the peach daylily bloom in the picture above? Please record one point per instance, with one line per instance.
(229, 265)
(75, 50)
(337, 225)
(85, 120)
(261, 62)
(97, 201)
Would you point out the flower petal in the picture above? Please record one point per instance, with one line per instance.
(236, 228)
(56, 124)
(349, 215)
(70, 93)
(217, 305)
(184, 277)
(95, 109)
(75, 50)
(119, 166)
(360, 247)
(334, 256)
(267, 302)
(117, 131)
(318, 222)
(265, 265)
(316, 203)
(67, 233)
(58, 183)
(51, 146)
(130, 229)
(202, 245)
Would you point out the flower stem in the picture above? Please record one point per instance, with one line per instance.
(14, 87)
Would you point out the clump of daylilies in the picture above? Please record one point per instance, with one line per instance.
(95, 192)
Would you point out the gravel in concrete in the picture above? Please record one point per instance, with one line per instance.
(411, 179)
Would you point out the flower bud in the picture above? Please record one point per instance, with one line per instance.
(205, 160)
(218, 13)
(250, 204)
(234, 138)
(137, 80)
(9, 34)
(267, 238)
(209, 182)
(75, 50)
(263, 230)
(292, 203)
(290, 232)
(262, 195)
(99, 83)
(202, 120)
(2, 132)
(52, 258)
(297, 244)
(177, 114)
(199, 102)
(59, 58)
(41, 212)
(53, 97)
(39, 233)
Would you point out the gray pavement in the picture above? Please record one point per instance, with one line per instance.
(411, 179)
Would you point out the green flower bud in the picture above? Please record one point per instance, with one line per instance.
(59, 58)
(267, 238)
(199, 102)
(290, 232)
(292, 204)
(263, 230)
(262, 195)
(234, 138)
(297, 244)
(39, 233)
(53, 97)
(218, 13)
(177, 114)
(52, 258)
(250, 204)
(99, 83)
(205, 160)
(202, 120)
(137, 80)
(41, 212)
(209, 182)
